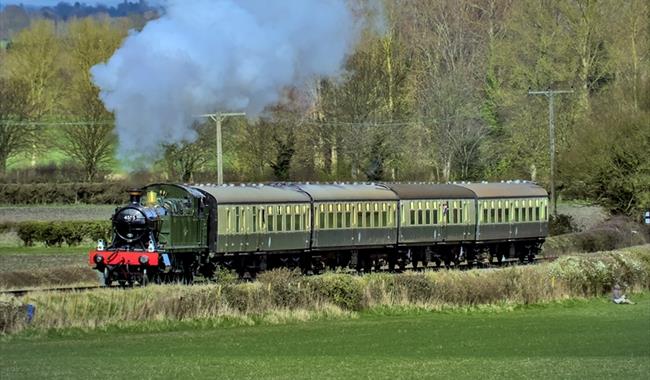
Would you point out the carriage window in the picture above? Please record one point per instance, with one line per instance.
(271, 223)
(427, 217)
(455, 216)
(262, 219)
(492, 215)
(330, 220)
(296, 222)
(499, 216)
(287, 222)
(236, 219)
(339, 219)
(530, 214)
(435, 216)
(359, 219)
(375, 216)
(278, 223)
(384, 218)
(412, 217)
(368, 223)
(507, 215)
(254, 219)
(485, 216)
(348, 219)
(460, 215)
(420, 217)
(536, 213)
(244, 220)
(321, 219)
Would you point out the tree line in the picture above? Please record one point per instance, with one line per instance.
(434, 91)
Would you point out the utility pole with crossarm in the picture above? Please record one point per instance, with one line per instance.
(218, 118)
(551, 130)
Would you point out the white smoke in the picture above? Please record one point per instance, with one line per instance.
(204, 56)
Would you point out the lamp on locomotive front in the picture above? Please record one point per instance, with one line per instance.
(134, 195)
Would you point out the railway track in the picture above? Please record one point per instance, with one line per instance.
(22, 292)
(202, 281)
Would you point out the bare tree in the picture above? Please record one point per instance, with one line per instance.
(449, 72)
(87, 43)
(185, 158)
(16, 136)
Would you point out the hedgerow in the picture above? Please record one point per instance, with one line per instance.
(67, 193)
(56, 233)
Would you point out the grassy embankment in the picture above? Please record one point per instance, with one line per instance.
(286, 296)
(568, 339)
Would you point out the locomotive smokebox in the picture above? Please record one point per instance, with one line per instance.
(134, 195)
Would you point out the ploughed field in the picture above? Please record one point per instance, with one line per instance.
(28, 267)
(568, 339)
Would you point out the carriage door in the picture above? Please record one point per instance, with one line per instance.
(509, 213)
(254, 227)
(443, 211)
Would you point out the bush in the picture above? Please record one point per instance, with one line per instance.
(283, 286)
(67, 193)
(561, 224)
(339, 289)
(12, 315)
(56, 233)
(617, 232)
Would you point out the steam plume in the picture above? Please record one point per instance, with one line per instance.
(203, 56)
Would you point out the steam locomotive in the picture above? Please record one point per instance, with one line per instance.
(172, 232)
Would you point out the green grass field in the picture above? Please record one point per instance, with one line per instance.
(570, 339)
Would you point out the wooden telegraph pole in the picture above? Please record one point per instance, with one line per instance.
(218, 118)
(551, 131)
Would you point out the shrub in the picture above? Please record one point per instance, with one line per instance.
(561, 224)
(617, 232)
(56, 233)
(28, 233)
(283, 286)
(416, 287)
(12, 315)
(339, 289)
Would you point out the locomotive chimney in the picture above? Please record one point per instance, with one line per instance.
(135, 195)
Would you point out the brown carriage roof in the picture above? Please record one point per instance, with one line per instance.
(229, 194)
(430, 191)
(347, 192)
(506, 189)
